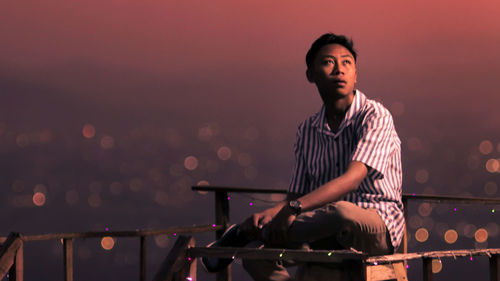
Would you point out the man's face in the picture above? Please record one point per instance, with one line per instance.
(333, 71)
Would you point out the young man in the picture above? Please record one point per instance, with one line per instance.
(346, 188)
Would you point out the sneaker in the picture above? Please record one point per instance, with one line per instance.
(232, 237)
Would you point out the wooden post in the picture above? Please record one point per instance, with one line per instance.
(16, 271)
(405, 234)
(222, 218)
(427, 269)
(221, 211)
(68, 259)
(495, 267)
(11, 257)
(142, 266)
(177, 265)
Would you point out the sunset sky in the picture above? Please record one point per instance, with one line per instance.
(162, 81)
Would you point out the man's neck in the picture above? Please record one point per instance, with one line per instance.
(336, 110)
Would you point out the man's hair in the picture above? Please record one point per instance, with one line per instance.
(326, 39)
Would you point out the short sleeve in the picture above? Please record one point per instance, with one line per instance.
(376, 141)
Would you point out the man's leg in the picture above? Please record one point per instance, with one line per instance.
(341, 225)
(338, 225)
(265, 270)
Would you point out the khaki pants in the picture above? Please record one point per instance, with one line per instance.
(335, 226)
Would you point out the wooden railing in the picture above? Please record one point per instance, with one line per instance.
(222, 215)
(11, 247)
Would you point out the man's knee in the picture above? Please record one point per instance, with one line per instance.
(346, 211)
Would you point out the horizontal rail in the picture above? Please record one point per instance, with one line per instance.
(329, 256)
(423, 197)
(276, 254)
(433, 255)
(134, 233)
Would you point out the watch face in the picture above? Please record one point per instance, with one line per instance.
(296, 206)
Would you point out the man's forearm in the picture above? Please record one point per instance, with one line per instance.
(336, 188)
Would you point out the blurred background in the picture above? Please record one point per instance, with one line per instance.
(111, 110)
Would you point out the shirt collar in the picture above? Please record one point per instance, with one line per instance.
(358, 102)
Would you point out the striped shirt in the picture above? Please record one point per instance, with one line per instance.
(367, 135)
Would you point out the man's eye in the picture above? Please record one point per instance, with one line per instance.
(328, 62)
(348, 62)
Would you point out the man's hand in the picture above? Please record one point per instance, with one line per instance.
(278, 228)
(253, 225)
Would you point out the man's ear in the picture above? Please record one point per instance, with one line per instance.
(309, 75)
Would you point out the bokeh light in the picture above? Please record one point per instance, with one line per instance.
(22, 140)
(437, 266)
(469, 230)
(94, 200)
(415, 221)
(71, 197)
(244, 159)
(422, 176)
(107, 142)
(45, 136)
(492, 165)
(107, 243)
(415, 144)
(473, 161)
(39, 199)
(162, 240)
(450, 236)
(40, 188)
(206, 133)
(116, 188)
(490, 188)
(485, 147)
(250, 173)
(191, 163)
(481, 235)
(161, 197)
(203, 183)
(224, 153)
(136, 185)
(493, 229)
(421, 235)
(18, 186)
(424, 209)
(88, 131)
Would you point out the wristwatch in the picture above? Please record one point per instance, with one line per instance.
(296, 206)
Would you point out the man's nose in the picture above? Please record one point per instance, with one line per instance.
(337, 69)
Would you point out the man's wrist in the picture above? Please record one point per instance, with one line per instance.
(295, 206)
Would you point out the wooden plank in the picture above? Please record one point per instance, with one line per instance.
(427, 269)
(456, 199)
(16, 272)
(136, 233)
(222, 218)
(177, 265)
(276, 254)
(433, 254)
(428, 197)
(68, 259)
(400, 271)
(380, 272)
(8, 253)
(142, 259)
(495, 267)
(238, 189)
